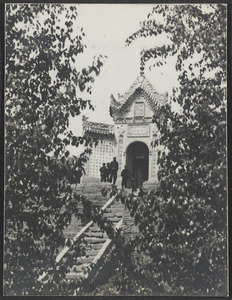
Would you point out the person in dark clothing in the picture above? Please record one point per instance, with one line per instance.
(108, 172)
(87, 211)
(103, 172)
(133, 185)
(114, 170)
(125, 176)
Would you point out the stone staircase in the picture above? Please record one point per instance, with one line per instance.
(93, 193)
(94, 241)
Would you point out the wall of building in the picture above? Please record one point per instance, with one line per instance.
(135, 125)
(124, 139)
(102, 153)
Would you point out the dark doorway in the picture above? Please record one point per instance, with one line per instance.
(137, 160)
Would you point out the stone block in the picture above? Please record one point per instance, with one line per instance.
(84, 260)
(87, 180)
(92, 252)
(150, 184)
(94, 229)
(114, 219)
(74, 275)
(97, 246)
(95, 240)
(94, 234)
(91, 187)
(109, 214)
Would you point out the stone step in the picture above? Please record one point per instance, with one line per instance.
(118, 208)
(114, 220)
(114, 209)
(73, 228)
(92, 252)
(85, 260)
(119, 214)
(94, 234)
(95, 240)
(88, 247)
(109, 214)
(95, 228)
(112, 213)
(75, 275)
(96, 246)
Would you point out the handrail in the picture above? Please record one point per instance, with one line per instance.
(108, 202)
(75, 238)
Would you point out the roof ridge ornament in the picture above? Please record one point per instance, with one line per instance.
(142, 71)
(114, 102)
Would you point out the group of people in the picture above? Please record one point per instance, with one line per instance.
(109, 172)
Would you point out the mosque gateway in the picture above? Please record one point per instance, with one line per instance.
(131, 137)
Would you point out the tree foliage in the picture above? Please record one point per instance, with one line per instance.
(43, 90)
(183, 223)
(182, 246)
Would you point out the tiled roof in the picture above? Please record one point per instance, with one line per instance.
(140, 84)
(98, 128)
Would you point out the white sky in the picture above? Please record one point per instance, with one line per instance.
(107, 26)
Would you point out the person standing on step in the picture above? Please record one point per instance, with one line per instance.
(103, 172)
(125, 177)
(114, 170)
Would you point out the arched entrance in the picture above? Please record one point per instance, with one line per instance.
(137, 161)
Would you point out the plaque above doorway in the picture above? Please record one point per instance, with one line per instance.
(138, 130)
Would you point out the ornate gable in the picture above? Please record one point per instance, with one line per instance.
(141, 85)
